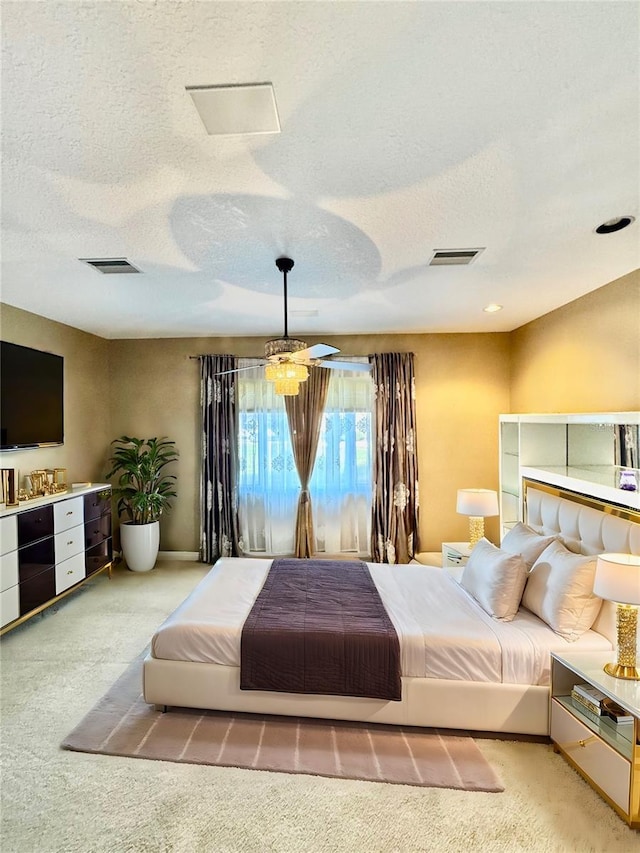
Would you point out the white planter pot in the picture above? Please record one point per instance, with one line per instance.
(140, 545)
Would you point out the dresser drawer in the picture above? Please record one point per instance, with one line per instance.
(609, 770)
(69, 542)
(35, 558)
(68, 514)
(69, 572)
(97, 503)
(37, 590)
(8, 570)
(8, 534)
(96, 530)
(9, 605)
(98, 556)
(35, 524)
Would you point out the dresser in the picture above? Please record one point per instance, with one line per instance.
(49, 546)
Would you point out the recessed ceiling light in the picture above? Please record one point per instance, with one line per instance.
(614, 225)
(236, 109)
(491, 309)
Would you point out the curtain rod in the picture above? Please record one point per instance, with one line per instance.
(196, 357)
(261, 357)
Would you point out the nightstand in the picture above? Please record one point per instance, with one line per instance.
(606, 754)
(454, 557)
(455, 554)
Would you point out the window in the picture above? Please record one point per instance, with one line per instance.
(340, 487)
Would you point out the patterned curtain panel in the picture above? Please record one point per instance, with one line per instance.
(394, 523)
(219, 536)
(304, 413)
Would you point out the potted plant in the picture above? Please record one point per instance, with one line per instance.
(143, 491)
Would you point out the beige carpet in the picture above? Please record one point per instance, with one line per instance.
(55, 667)
(122, 723)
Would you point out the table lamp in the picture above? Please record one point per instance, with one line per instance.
(618, 579)
(477, 504)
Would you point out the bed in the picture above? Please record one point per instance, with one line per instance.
(461, 668)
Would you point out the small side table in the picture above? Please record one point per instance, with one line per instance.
(606, 754)
(455, 556)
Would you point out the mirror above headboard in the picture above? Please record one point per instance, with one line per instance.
(591, 454)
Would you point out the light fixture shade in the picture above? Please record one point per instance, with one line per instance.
(286, 377)
(480, 503)
(618, 578)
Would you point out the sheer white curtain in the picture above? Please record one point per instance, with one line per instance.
(268, 485)
(341, 483)
(268, 481)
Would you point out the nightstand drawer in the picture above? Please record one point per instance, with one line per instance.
(603, 765)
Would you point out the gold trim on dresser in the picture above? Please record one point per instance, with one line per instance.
(26, 616)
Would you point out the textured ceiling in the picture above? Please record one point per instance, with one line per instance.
(406, 127)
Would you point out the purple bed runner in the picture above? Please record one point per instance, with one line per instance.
(319, 626)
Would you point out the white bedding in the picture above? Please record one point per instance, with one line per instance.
(443, 632)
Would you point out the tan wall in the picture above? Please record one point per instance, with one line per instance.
(461, 388)
(583, 357)
(86, 396)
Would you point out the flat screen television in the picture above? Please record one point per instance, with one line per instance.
(31, 397)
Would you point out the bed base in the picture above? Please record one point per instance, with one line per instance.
(430, 702)
(587, 527)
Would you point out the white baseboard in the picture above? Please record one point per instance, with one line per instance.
(178, 555)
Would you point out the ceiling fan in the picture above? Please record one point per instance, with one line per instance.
(288, 359)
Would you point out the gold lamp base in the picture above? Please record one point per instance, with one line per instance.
(476, 529)
(626, 626)
(617, 670)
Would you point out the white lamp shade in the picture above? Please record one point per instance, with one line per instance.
(618, 578)
(477, 502)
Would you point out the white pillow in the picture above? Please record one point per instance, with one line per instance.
(560, 591)
(524, 540)
(495, 579)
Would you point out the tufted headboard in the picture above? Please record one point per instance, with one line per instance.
(586, 526)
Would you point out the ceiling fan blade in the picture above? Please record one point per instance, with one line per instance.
(316, 351)
(238, 369)
(356, 366)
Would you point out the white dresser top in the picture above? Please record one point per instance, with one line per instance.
(59, 496)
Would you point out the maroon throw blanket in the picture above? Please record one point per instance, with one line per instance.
(319, 626)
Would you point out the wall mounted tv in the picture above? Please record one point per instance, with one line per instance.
(31, 397)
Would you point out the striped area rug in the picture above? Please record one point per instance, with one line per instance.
(123, 724)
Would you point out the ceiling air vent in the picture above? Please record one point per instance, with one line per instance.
(111, 266)
(453, 257)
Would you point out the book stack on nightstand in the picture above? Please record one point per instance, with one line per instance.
(600, 708)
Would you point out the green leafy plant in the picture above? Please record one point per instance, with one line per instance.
(143, 489)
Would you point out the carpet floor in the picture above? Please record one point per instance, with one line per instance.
(55, 667)
(123, 724)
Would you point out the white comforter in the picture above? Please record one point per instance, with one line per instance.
(443, 633)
